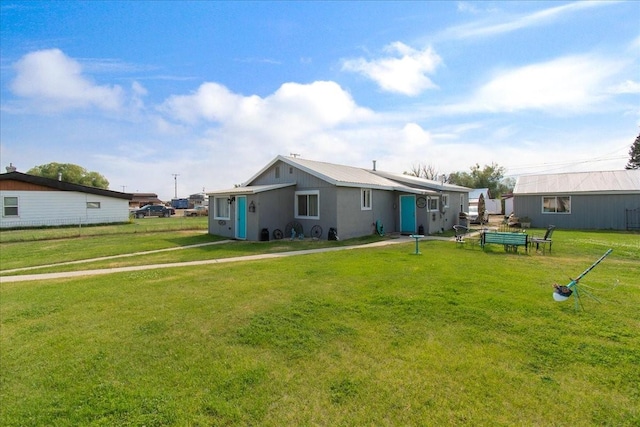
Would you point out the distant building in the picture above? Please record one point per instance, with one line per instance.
(581, 200)
(142, 199)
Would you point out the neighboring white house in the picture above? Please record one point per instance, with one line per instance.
(580, 200)
(34, 201)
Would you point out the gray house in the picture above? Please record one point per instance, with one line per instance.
(325, 200)
(581, 200)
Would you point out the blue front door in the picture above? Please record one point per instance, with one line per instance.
(241, 217)
(407, 214)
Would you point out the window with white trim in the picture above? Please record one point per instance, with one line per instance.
(10, 206)
(277, 172)
(93, 205)
(308, 204)
(432, 203)
(365, 199)
(445, 200)
(221, 208)
(556, 204)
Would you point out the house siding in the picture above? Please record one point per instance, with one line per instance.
(273, 210)
(53, 208)
(288, 174)
(593, 211)
(352, 221)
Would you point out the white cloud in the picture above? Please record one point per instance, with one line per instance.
(404, 71)
(506, 24)
(56, 82)
(466, 7)
(628, 86)
(293, 106)
(574, 83)
(212, 102)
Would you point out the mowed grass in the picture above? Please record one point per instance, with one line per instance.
(375, 336)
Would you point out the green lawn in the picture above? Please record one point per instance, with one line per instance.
(376, 336)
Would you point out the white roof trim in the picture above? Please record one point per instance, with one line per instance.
(251, 189)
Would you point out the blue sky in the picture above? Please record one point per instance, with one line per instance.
(213, 91)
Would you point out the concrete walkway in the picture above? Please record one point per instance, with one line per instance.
(71, 274)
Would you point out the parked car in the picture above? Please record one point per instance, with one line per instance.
(474, 217)
(197, 211)
(152, 210)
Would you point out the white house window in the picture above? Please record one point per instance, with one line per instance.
(365, 199)
(445, 200)
(93, 205)
(10, 206)
(308, 204)
(277, 172)
(433, 204)
(221, 208)
(556, 204)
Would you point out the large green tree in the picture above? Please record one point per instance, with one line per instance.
(70, 173)
(489, 176)
(634, 155)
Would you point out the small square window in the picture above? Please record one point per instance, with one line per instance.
(433, 203)
(10, 206)
(221, 208)
(556, 204)
(308, 204)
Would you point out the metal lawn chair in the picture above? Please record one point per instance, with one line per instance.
(546, 240)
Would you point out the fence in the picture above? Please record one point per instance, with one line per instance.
(62, 222)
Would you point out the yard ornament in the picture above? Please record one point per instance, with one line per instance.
(563, 292)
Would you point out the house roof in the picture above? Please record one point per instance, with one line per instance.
(252, 189)
(421, 182)
(599, 182)
(62, 185)
(341, 175)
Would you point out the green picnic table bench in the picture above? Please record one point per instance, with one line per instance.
(509, 240)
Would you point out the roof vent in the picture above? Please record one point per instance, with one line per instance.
(374, 165)
(11, 168)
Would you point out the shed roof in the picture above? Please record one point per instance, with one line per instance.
(62, 185)
(475, 193)
(598, 182)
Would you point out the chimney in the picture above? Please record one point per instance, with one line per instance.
(374, 165)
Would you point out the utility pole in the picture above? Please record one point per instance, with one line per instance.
(123, 187)
(175, 183)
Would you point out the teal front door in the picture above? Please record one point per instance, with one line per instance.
(407, 214)
(241, 217)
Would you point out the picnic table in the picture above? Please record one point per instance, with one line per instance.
(510, 240)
